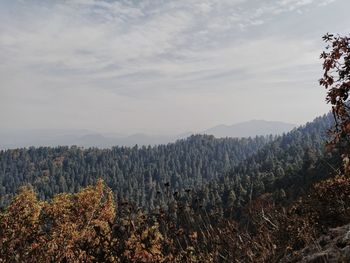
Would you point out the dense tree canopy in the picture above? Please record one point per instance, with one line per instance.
(223, 171)
(137, 174)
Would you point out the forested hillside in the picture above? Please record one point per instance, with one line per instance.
(247, 167)
(287, 167)
(136, 174)
(198, 200)
(248, 214)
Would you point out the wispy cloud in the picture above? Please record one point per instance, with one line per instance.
(147, 53)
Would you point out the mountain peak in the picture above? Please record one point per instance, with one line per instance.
(250, 128)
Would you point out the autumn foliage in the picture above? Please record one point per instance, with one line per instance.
(71, 227)
(336, 79)
(89, 227)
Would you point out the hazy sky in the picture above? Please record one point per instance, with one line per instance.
(160, 66)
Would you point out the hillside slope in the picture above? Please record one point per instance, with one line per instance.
(139, 174)
(136, 173)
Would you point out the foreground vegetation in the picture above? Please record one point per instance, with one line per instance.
(90, 227)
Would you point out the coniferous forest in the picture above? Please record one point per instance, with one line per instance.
(246, 167)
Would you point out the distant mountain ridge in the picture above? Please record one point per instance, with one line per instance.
(86, 138)
(82, 138)
(250, 129)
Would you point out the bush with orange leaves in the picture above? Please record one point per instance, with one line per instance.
(143, 243)
(79, 227)
(70, 228)
(19, 228)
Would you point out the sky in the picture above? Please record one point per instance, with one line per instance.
(161, 66)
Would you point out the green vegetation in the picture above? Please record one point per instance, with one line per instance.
(135, 174)
(139, 175)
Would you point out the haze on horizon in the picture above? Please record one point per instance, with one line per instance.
(162, 67)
